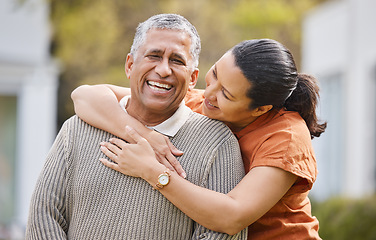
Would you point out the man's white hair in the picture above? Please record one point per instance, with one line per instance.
(171, 22)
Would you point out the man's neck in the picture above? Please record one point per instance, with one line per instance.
(147, 118)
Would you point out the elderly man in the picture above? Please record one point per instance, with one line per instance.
(77, 197)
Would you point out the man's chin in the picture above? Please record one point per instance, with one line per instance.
(161, 108)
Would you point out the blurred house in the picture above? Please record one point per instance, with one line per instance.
(339, 49)
(28, 87)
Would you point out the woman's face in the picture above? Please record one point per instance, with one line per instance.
(225, 94)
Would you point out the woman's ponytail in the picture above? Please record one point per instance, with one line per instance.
(304, 100)
(271, 71)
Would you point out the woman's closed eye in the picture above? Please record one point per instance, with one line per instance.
(215, 74)
(224, 94)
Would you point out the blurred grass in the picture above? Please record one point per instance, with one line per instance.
(343, 218)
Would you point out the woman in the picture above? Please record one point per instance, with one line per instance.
(256, 90)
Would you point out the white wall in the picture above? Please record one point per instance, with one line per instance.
(338, 48)
(28, 72)
(25, 31)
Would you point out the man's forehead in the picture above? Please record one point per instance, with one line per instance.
(161, 40)
(160, 34)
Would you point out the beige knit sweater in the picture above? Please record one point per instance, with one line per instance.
(77, 197)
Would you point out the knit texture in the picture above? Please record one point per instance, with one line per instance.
(77, 197)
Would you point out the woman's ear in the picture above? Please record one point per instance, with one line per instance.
(261, 110)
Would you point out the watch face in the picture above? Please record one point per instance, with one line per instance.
(163, 179)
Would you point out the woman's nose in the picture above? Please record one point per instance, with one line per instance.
(211, 90)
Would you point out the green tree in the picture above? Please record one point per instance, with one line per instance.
(92, 38)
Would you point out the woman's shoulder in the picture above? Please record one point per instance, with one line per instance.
(288, 123)
(287, 130)
(194, 99)
(290, 141)
(296, 126)
(281, 140)
(274, 123)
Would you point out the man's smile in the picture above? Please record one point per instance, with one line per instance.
(159, 86)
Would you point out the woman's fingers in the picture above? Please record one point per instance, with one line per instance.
(172, 159)
(171, 163)
(130, 158)
(113, 148)
(110, 150)
(164, 161)
(165, 151)
(134, 135)
(176, 165)
(109, 164)
(116, 167)
(118, 142)
(173, 149)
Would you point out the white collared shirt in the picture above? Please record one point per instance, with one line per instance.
(170, 126)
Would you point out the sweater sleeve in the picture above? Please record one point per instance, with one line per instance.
(47, 214)
(224, 174)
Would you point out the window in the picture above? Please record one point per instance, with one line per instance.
(374, 133)
(8, 111)
(329, 146)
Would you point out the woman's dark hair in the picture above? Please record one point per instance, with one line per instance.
(270, 68)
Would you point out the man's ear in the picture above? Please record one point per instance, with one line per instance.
(261, 110)
(194, 78)
(129, 65)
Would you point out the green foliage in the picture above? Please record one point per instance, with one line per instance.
(276, 19)
(346, 218)
(92, 38)
(89, 42)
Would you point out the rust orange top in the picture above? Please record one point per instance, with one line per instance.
(279, 139)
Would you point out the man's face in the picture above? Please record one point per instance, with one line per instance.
(160, 73)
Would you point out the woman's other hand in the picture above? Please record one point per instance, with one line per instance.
(165, 151)
(134, 158)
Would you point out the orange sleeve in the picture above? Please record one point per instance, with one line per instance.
(289, 148)
(194, 100)
(283, 141)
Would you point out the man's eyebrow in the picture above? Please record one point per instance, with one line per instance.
(159, 51)
(154, 50)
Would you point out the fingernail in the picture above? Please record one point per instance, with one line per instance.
(184, 175)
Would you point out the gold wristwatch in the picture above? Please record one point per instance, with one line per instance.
(163, 179)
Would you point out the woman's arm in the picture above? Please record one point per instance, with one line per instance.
(98, 105)
(256, 194)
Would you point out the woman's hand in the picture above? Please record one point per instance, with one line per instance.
(130, 159)
(165, 152)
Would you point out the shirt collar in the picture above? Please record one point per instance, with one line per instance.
(170, 126)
